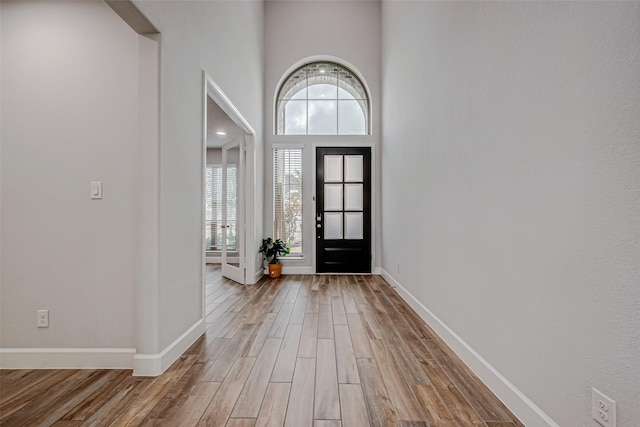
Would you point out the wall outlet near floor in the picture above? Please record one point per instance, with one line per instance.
(43, 319)
(603, 409)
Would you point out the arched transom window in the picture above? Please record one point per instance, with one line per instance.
(322, 98)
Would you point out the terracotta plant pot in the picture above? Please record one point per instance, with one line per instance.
(275, 270)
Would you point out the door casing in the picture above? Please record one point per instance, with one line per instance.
(251, 222)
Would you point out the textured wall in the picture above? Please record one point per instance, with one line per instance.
(224, 38)
(511, 188)
(69, 108)
(295, 31)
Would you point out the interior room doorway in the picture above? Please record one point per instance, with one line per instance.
(228, 140)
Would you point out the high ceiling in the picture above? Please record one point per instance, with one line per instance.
(217, 122)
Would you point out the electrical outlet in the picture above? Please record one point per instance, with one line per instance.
(603, 409)
(43, 319)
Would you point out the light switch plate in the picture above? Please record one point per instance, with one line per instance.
(43, 319)
(96, 190)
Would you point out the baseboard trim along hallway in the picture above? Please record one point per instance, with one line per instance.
(514, 399)
(66, 358)
(101, 358)
(151, 365)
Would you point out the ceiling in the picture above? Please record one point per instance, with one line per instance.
(219, 121)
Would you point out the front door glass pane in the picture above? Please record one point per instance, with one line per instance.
(353, 168)
(333, 197)
(333, 225)
(332, 168)
(353, 225)
(353, 197)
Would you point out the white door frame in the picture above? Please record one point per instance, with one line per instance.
(213, 91)
(235, 273)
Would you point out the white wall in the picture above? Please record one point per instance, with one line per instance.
(72, 74)
(511, 188)
(224, 39)
(69, 115)
(296, 31)
(214, 156)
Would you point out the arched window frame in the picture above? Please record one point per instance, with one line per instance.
(307, 75)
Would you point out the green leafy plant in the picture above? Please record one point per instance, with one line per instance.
(272, 249)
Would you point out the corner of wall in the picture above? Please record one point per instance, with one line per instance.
(152, 365)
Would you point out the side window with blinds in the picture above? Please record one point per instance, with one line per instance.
(213, 204)
(287, 197)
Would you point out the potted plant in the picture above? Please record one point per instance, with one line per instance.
(271, 250)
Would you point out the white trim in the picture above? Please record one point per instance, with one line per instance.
(223, 101)
(237, 274)
(212, 90)
(292, 259)
(203, 198)
(286, 146)
(151, 365)
(256, 277)
(292, 269)
(66, 358)
(523, 408)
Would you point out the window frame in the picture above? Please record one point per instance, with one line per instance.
(344, 75)
(218, 168)
(289, 147)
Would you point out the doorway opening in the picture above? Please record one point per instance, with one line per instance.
(227, 176)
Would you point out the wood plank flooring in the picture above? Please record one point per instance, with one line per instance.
(296, 351)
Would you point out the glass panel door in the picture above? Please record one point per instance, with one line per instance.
(343, 216)
(232, 211)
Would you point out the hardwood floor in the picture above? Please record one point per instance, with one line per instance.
(321, 351)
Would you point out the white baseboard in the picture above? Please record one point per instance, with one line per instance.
(66, 358)
(256, 277)
(293, 269)
(523, 408)
(101, 358)
(152, 365)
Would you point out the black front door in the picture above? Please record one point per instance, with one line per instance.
(343, 210)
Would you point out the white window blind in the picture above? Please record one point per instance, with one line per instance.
(213, 205)
(287, 197)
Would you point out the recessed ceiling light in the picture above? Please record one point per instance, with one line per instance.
(221, 133)
(322, 71)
